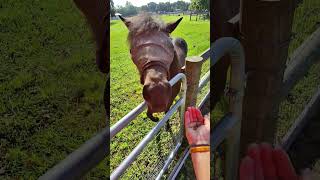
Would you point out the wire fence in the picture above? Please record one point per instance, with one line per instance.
(306, 21)
(152, 159)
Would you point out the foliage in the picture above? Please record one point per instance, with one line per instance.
(128, 9)
(199, 5)
(112, 8)
(152, 6)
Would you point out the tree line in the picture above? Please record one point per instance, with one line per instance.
(129, 9)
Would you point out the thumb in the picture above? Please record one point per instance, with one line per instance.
(207, 121)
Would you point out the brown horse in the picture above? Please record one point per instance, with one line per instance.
(157, 57)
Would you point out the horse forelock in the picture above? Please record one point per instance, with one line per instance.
(144, 23)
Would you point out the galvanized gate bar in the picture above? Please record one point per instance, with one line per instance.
(204, 99)
(138, 149)
(233, 47)
(179, 164)
(123, 122)
(204, 80)
(168, 161)
(81, 161)
(220, 131)
(300, 122)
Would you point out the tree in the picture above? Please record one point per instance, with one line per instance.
(169, 8)
(199, 5)
(152, 6)
(128, 9)
(112, 8)
(161, 7)
(181, 5)
(144, 8)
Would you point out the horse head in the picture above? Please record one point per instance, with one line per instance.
(152, 51)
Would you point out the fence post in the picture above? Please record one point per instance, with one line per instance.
(193, 72)
(265, 28)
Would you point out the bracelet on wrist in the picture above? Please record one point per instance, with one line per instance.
(200, 148)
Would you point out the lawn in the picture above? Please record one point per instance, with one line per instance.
(51, 92)
(306, 21)
(125, 94)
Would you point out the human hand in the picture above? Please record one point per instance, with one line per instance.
(265, 163)
(197, 127)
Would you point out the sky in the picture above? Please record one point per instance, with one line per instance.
(141, 2)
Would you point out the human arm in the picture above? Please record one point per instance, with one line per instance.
(198, 133)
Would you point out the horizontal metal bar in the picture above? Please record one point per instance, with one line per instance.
(138, 149)
(310, 109)
(220, 131)
(204, 80)
(168, 161)
(82, 160)
(204, 99)
(179, 164)
(176, 78)
(301, 61)
(205, 55)
(123, 122)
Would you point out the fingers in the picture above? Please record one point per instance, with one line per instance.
(194, 114)
(268, 165)
(247, 170)
(283, 165)
(192, 119)
(254, 153)
(187, 119)
(199, 116)
(206, 122)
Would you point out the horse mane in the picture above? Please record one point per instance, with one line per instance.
(144, 23)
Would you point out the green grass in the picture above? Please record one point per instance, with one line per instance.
(51, 91)
(306, 21)
(126, 94)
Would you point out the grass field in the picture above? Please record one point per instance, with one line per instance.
(50, 89)
(126, 92)
(306, 21)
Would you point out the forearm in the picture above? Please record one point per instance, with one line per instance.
(201, 165)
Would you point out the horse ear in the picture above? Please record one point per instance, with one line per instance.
(172, 26)
(125, 21)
